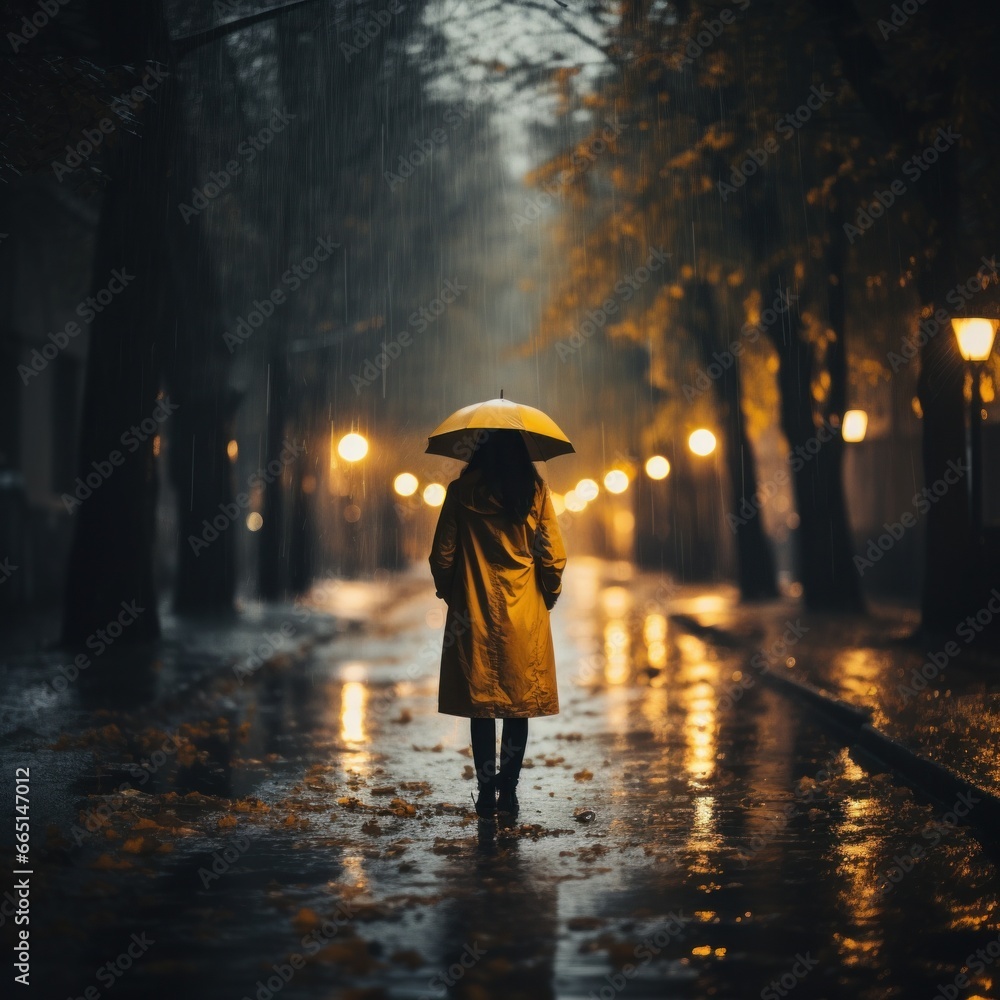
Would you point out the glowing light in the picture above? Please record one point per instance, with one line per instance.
(616, 652)
(855, 425)
(352, 712)
(405, 484)
(614, 601)
(616, 481)
(574, 502)
(254, 521)
(587, 489)
(975, 337)
(657, 467)
(624, 522)
(434, 494)
(558, 503)
(654, 628)
(352, 447)
(702, 442)
(232, 450)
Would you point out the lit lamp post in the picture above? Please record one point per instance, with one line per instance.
(975, 341)
(855, 426)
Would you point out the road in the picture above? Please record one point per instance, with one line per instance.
(303, 827)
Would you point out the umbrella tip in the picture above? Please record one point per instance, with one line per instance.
(501, 393)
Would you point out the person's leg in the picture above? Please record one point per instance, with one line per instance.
(484, 755)
(513, 741)
(484, 748)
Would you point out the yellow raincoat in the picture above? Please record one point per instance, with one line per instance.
(499, 579)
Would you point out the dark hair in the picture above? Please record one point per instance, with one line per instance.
(503, 458)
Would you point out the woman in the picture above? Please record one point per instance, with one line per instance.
(497, 560)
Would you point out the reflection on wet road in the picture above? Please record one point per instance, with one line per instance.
(670, 844)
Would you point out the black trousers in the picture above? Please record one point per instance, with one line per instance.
(513, 740)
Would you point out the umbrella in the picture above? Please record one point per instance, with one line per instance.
(462, 431)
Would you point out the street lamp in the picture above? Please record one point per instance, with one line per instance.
(975, 342)
(702, 442)
(855, 426)
(434, 494)
(405, 484)
(657, 467)
(352, 447)
(616, 481)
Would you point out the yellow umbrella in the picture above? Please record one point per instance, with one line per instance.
(459, 434)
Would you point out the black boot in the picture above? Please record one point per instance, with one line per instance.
(507, 796)
(512, 744)
(486, 804)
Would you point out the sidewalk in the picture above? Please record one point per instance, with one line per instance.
(937, 701)
(305, 828)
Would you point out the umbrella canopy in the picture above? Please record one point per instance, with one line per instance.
(459, 434)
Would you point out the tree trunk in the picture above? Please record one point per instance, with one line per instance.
(754, 559)
(950, 559)
(197, 372)
(202, 476)
(110, 574)
(272, 564)
(829, 580)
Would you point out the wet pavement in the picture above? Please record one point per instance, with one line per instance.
(937, 695)
(299, 823)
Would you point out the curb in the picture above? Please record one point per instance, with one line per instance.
(932, 779)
